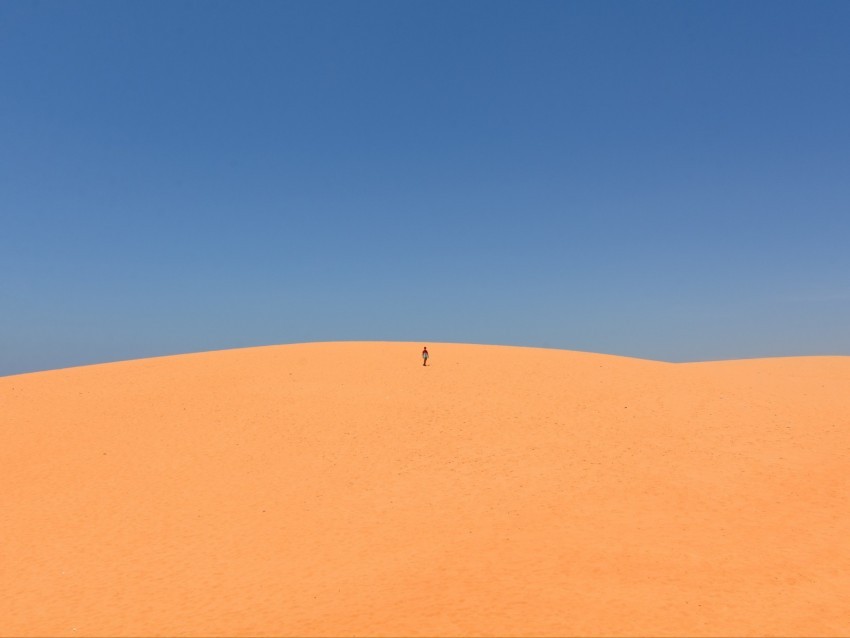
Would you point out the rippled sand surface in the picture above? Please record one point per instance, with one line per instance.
(343, 489)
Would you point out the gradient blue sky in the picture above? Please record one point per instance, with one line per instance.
(668, 180)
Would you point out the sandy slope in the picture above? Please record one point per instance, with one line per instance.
(343, 489)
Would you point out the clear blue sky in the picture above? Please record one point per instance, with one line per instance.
(668, 180)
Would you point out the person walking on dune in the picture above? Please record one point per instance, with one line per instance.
(425, 356)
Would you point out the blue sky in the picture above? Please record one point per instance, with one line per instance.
(667, 180)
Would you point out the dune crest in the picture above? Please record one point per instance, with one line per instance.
(344, 489)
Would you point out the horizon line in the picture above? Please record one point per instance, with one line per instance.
(423, 342)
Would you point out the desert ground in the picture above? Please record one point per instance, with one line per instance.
(343, 489)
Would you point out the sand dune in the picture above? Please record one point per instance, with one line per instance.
(343, 489)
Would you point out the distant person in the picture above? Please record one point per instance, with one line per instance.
(425, 356)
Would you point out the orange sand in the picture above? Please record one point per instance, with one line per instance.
(343, 489)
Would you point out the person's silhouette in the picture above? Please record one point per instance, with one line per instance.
(425, 356)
